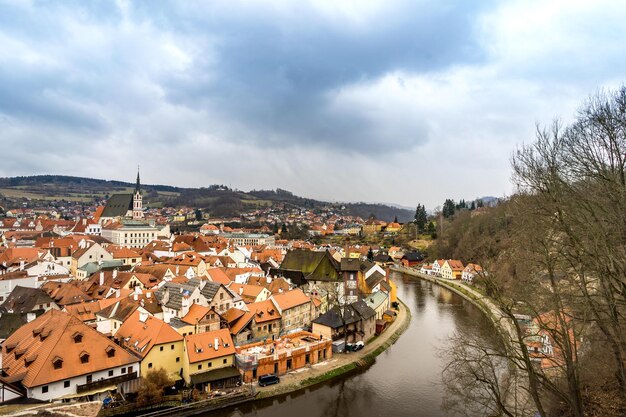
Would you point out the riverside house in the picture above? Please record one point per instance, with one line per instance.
(283, 355)
(209, 361)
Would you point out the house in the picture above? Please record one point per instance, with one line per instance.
(65, 293)
(411, 259)
(295, 309)
(203, 319)
(452, 269)
(209, 361)
(110, 318)
(27, 300)
(58, 356)
(154, 341)
(379, 302)
(436, 267)
(470, 272)
(353, 322)
(240, 324)
(282, 355)
(250, 293)
(126, 255)
(266, 319)
(176, 299)
(88, 251)
(372, 226)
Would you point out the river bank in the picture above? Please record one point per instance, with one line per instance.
(503, 324)
(340, 364)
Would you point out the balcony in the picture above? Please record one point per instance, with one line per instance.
(103, 383)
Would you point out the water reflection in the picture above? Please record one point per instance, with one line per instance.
(406, 380)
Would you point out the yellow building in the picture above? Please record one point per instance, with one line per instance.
(210, 361)
(158, 344)
(452, 269)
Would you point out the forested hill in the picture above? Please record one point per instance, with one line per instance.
(219, 200)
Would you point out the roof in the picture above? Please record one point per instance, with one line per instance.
(350, 264)
(210, 289)
(24, 300)
(120, 310)
(214, 375)
(374, 279)
(455, 264)
(196, 313)
(201, 346)
(376, 299)
(353, 313)
(217, 275)
(290, 299)
(264, 311)
(140, 336)
(51, 337)
(118, 205)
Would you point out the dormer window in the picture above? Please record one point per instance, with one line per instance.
(110, 350)
(78, 337)
(84, 357)
(57, 363)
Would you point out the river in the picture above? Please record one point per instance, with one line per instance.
(405, 380)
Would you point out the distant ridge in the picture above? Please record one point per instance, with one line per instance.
(219, 200)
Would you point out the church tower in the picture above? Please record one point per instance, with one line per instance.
(137, 202)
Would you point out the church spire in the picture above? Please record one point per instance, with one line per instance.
(137, 187)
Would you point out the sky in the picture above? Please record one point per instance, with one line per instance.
(398, 101)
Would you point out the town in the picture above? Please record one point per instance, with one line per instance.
(93, 309)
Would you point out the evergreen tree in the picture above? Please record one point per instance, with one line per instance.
(473, 206)
(370, 255)
(420, 217)
(448, 208)
(431, 228)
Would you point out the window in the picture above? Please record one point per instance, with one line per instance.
(66, 384)
(111, 373)
(110, 351)
(84, 357)
(210, 364)
(177, 360)
(57, 363)
(150, 365)
(225, 360)
(78, 337)
(44, 389)
(89, 379)
(161, 348)
(172, 347)
(123, 370)
(199, 366)
(130, 369)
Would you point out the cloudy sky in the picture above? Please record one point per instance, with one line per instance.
(403, 101)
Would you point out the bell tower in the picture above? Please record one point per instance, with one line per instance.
(137, 201)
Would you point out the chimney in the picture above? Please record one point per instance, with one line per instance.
(240, 290)
(114, 273)
(148, 294)
(135, 296)
(216, 344)
(22, 263)
(143, 316)
(101, 278)
(84, 222)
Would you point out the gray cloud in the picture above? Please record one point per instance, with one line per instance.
(407, 101)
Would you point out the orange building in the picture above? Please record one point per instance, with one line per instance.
(283, 355)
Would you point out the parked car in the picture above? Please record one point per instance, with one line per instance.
(268, 379)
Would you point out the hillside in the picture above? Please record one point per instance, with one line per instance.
(218, 200)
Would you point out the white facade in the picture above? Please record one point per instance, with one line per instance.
(67, 387)
(131, 236)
